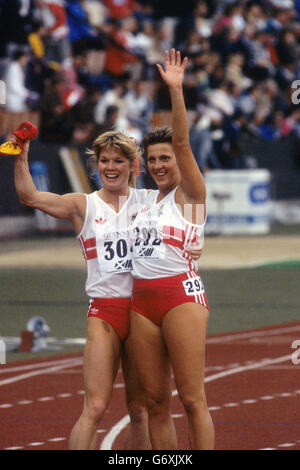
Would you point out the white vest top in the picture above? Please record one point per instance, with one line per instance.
(106, 244)
(162, 236)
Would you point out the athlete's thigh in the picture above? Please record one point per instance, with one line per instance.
(133, 387)
(184, 330)
(150, 353)
(101, 358)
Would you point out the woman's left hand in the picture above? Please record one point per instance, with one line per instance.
(195, 254)
(174, 69)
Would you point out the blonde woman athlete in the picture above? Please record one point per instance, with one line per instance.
(101, 221)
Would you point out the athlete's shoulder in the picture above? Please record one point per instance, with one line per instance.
(140, 195)
(78, 199)
(94, 199)
(152, 194)
(92, 195)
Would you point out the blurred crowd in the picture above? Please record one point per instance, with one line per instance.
(81, 67)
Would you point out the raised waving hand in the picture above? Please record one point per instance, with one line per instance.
(192, 184)
(174, 69)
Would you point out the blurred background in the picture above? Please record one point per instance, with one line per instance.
(76, 68)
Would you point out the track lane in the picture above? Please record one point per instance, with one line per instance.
(252, 388)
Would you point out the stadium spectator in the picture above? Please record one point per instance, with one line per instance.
(56, 120)
(139, 105)
(287, 47)
(201, 142)
(114, 121)
(232, 18)
(82, 34)
(83, 116)
(97, 13)
(38, 74)
(111, 120)
(113, 96)
(119, 9)
(17, 21)
(17, 93)
(221, 99)
(121, 56)
(235, 49)
(55, 30)
(154, 53)
(255, 16)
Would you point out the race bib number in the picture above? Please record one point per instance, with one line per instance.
(115, 256)
(148, 244)
(193, 286)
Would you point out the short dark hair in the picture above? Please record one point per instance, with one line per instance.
(157, 136)
(18, 54)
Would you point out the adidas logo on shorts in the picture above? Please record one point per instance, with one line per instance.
(94, 311)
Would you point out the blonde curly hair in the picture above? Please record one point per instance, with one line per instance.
(121, 142)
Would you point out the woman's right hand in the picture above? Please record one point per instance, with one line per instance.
(24, 154)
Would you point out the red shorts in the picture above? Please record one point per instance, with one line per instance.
(153, 298)
(114, 311)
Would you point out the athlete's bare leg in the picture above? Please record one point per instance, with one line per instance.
(137, 437)
(155, 373)
(100, 365)
(184, 330)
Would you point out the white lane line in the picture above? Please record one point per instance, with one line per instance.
(113, 433)
(45, 398)
(37, 365)
(47, 370)
(250, 401)
(14, 448)
(57, 439)
(287, 444)
(36, 444)
(39, 399)
(253, 334)
(255, 365)
(284, 394)
(120, 425)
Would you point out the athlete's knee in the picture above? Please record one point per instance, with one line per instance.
(158, 403)
(138, 415)
(95, 409)
(193, 402)
(137, 411)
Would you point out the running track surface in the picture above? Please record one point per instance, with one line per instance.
(252, 386)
